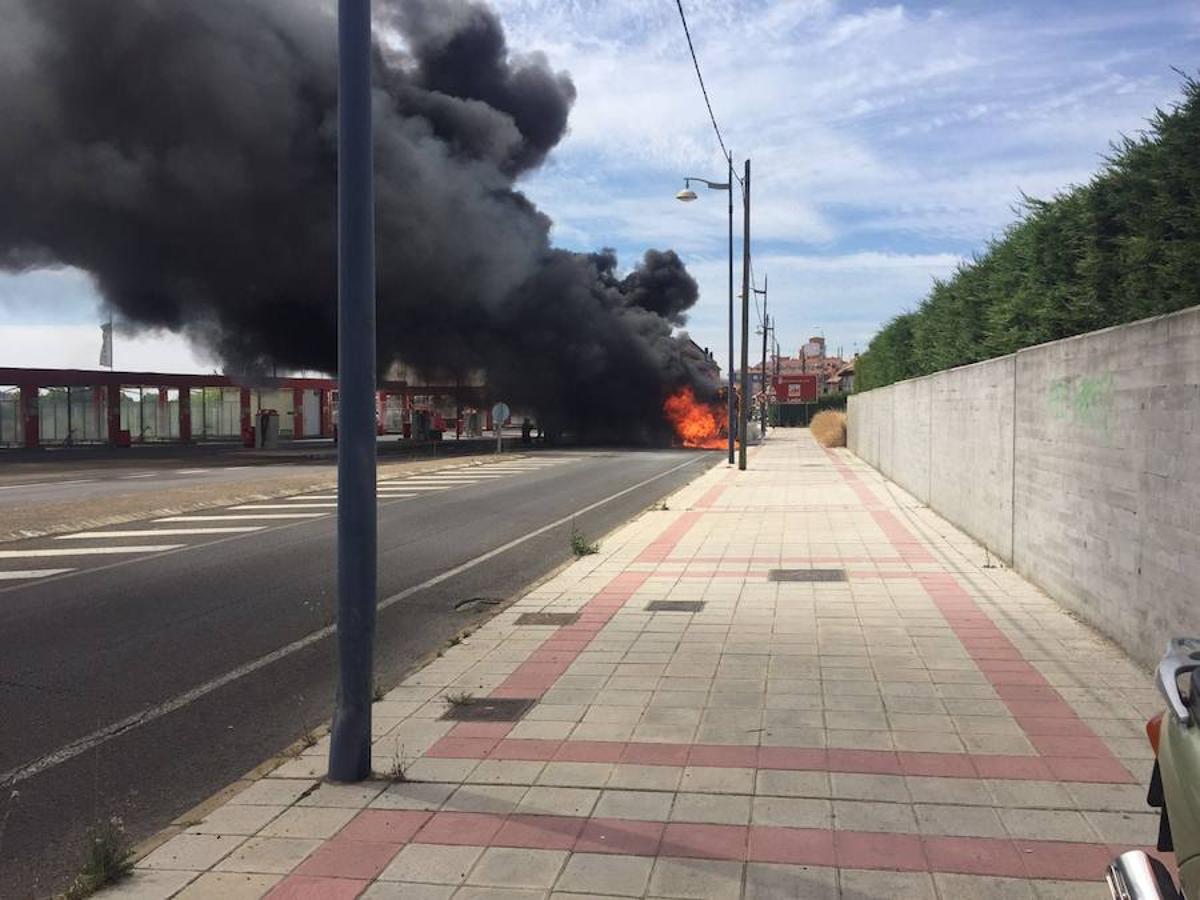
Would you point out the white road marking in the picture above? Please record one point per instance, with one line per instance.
(82, 551)
(88, 535)
(191, 471)
(287, 506)
(143, 475)
(152, 713)
(18, 574)
(242, 517)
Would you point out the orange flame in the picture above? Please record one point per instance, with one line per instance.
(696, 424)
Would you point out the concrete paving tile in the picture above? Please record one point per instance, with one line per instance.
(505, 771)
(645, 778)
(782, 783)
(862, 884)
(309, 822)
(1046, 824)
(648, 805)
(713, 780)
(233, 819)
(611, 875)
(523, 868)
(571, 774)
(150, 884)
(229, 886)
(558, 801)
(1136, 829)
(268, 855)
(193, 852)
(275, 791)
(776, 881)
(853, 786)
(414, 795)
(395, 890)
(984, 888)
(432, 863)
(700, 879)
(792, 812)
(873, 816)
(490, 798)
(719, 809)
(968, 821)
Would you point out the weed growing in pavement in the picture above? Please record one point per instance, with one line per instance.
(109, 859)
(660, 506)
(580, 545)
(379, 693)
(459, 698)
(397, 772)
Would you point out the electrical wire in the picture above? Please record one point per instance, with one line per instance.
(703, 90)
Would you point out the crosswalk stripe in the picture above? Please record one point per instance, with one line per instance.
(242, 517)
(85, 551)
(18, 574)
(156, 532)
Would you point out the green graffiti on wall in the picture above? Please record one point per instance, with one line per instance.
(1086, 400)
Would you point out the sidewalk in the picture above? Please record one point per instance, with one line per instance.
(920, 727)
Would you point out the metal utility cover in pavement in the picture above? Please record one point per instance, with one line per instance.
(547, 618)
(806, 575)
(675, 606)
(484, 709)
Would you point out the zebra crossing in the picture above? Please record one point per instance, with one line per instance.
(73, 552)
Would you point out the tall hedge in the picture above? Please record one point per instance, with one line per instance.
(1122, 247)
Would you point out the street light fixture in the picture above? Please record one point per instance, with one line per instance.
(687, 195)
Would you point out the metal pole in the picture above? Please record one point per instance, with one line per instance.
(744, 416)
(766, 325)
(730, 416)
(350, 746)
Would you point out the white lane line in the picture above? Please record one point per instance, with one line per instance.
(312, 497)
(152, 713)
(287, 506)
(29, 484)
(83, 551)
(243, 517)
(18, 574)
(173, 532)
(190, 471)
(143, 475)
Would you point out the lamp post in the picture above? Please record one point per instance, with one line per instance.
(350, 740)
(687, 195)
(744, 418)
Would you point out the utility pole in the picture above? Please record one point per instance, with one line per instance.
(766, 325)
(729, 415)
(350, 740)
(744, 416)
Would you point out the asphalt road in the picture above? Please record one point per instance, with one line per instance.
(142, 681)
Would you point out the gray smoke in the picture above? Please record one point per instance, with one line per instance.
(184, 153)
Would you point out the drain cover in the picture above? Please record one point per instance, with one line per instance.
(547, 618)
(484, 709)
(675, 606)
(806, 575)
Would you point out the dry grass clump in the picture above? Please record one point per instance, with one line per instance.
(829, 428)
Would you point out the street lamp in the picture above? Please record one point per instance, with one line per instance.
(687, 195)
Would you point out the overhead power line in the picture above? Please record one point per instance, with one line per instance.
(703, 90)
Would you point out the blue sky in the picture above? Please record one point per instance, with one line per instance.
(888, 142)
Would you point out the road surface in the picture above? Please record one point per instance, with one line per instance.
(146, 665)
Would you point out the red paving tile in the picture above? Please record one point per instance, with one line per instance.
(798, 846)
(300, 887)
(460, 828)
(388, 826)
(628, 836)
(974, 856)
(342, 858)
(723, 756)
(1063, 860)
(705, 841)
(655, 754)
(539, 832)
(868, 850)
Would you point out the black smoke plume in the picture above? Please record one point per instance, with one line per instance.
(184, 153)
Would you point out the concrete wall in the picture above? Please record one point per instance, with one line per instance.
(1078, 462)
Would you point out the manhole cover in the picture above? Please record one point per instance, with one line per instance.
(690, 606)
(547, 618)
(484, 709)
(806, 575)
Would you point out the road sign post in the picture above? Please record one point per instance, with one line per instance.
(500, 414)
